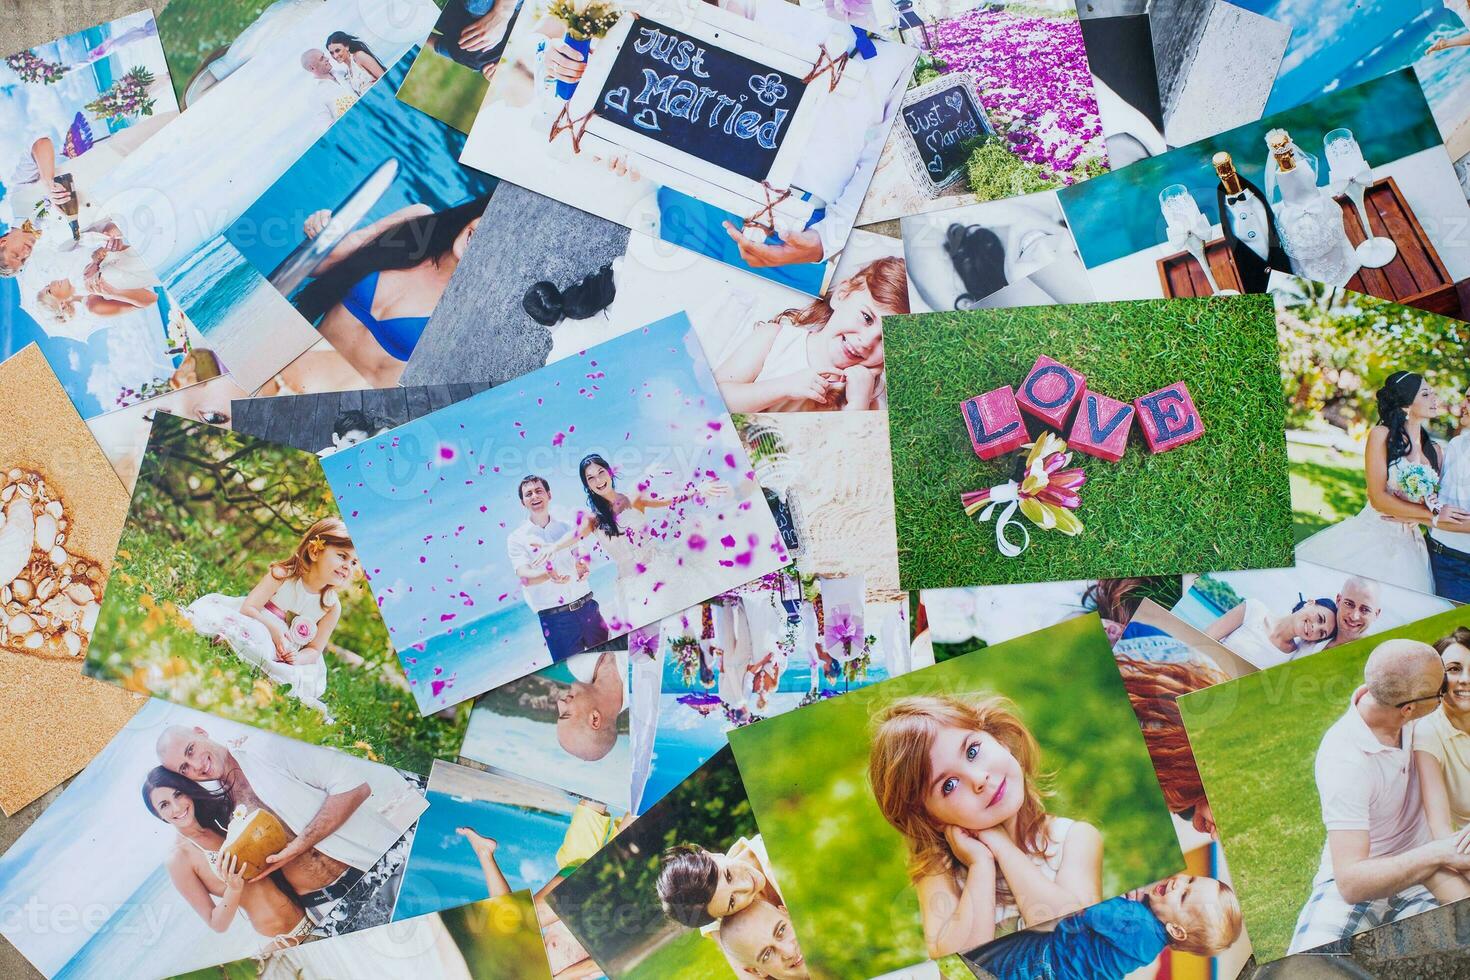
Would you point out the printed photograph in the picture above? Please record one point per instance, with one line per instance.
(748, 133)
(773, 645)
(585, 724)
(496, 939)
(481, 824)
(1000, 104)
(275, 76)
(364, 230)
(1354, 822)
(1376, 416)
(1125, 79)
(695, 892)
(996, 255)
(1336, 190)
(71, 281)
(1279, 614)
(595, 495)
(207, 841)
(330, 421)
(453, 69)
(1175, 437)
(553, 281)
(237, 590)
(59, 499)
(973, 802)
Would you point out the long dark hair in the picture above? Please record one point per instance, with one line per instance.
(211, 806)
(602, 510)
(354, 44)
(1394, 398)
(402, 246)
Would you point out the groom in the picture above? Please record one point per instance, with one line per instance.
(1449, 551)
(345, 808)
(555, 588)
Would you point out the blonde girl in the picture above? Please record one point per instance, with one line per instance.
(283, 625)
(959, 777)
(825, 356)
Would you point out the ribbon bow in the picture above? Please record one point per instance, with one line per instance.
(1046, 494)
(644, 641)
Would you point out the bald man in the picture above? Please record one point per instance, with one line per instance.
(327, 91)
(1358, 605)
(1379, 863)
(587, 714)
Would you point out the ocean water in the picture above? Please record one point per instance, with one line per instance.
(479, 655)
(1196, 610)
(442, 870)
(213, 284)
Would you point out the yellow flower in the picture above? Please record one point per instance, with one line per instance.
(137, 682)
(368, 749)
(263, 692)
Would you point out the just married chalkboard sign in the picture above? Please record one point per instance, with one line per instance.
(712, 104)
(702, 100)
(942, 118)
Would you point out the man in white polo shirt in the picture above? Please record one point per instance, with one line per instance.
(1379, 863)
(555, 584)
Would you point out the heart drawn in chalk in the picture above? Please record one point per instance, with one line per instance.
(617, 98)
(646, 120)
(955, 100)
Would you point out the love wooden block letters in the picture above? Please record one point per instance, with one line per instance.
(1050, 390)
(995, 424)
(1168, 418)
(1101, 427)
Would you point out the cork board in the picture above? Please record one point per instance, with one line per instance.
(56, 719)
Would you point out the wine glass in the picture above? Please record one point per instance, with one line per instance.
(1348, 173)
(1188, 229)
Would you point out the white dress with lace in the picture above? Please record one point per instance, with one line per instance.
(1374, 546)
(298, 608)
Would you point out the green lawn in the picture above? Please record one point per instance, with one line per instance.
(1326, 487)
(1255, 740)
(1219, 502)
(191, 29)
(444, 89)
(841, 866)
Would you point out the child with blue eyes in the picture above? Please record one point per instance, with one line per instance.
(959, 778)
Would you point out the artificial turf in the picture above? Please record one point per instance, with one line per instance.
(1220, 502)
(1255, 741)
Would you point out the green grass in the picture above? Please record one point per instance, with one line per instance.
(444, 89)
(1327, 486)
(689, 955)
(191, 29)
(143, 643)
(1219, 502)
(841, 866)
(499, 938)
(1255, 741)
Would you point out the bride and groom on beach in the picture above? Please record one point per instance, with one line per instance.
(1414, 531)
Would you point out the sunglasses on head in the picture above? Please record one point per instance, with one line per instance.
(1444, 688)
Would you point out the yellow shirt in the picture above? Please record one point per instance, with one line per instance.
(1450, 747)
(589, 831)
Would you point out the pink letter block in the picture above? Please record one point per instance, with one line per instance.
(1168, 418)
(1050, 391)
(994, 422)
(1101, 427)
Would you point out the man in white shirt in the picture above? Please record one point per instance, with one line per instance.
(555, 584)
(343, 807)
(31, 184)
(1358, 606)
(1379, 863)
(327, 89)
(587, 715)
(1449, 551)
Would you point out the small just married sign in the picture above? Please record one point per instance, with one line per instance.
(942, 119)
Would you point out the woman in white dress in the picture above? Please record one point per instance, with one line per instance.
(630, 536)
(1385, 540)
(1265, 640)
(359, 66)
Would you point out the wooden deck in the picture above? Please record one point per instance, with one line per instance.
(306, 421)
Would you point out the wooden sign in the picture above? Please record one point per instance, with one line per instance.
(942, 118)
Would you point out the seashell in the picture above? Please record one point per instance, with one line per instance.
(15, 475)
(22, 589)
(45, 532)
(34, 641)
(46, 589)
(20, 624)
(16, 536)
(57, 555)
(73, 643)
(93, 572)
(79, 592)
(25, 490)
(54, 508)
(7, 493)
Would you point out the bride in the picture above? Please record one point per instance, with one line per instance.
(1250, 630)
(630, 535)
(1385, 540)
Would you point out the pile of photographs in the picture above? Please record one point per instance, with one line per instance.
(457, 519)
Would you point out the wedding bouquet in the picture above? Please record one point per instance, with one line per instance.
(34, 69)
(126, 99)
(1415, 482)
(584, 20)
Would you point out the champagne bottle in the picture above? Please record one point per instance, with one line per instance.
(1310, 222)
(72, 206)
(1249, 227)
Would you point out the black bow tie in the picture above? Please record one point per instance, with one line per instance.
(1236, 199)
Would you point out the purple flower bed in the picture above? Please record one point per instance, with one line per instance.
(1034, 84)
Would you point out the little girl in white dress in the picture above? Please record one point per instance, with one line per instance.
(283, 625)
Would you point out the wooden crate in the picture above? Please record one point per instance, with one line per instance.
(1416, 276)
